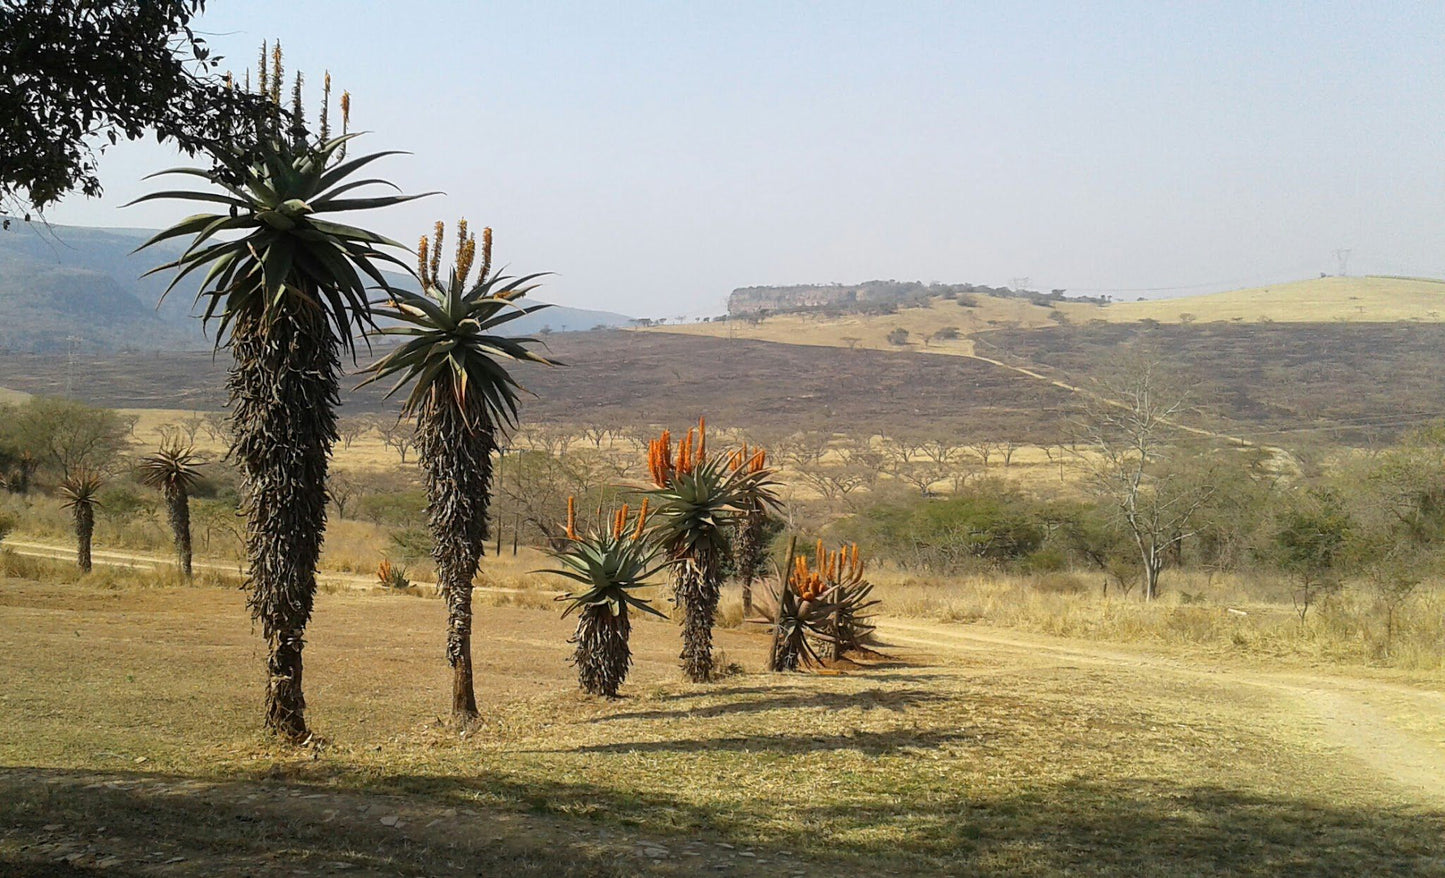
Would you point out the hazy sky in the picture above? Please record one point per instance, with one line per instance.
(657, 155)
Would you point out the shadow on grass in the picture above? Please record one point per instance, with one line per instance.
(539, 827)
(867, 743)
(789, 699)
(74, 824)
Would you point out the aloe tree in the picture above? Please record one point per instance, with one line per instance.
(749, 544)
(81, 494)
(173, 471)
(611, 563)
(463, 398)
(286, 287)
(697, 498)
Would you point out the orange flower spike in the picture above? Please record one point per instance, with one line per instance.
(617, 523)
(702, 439)
(571, 518)
(641, 520)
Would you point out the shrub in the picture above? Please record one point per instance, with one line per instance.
(412, 544)
(1060, 583)
(898, 336)
(987, 525)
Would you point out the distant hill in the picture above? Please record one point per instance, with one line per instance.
(948, 322)
(65, 286)
(1367, 299)
(872, 296)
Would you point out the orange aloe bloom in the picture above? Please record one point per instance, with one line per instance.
(571, 518)
(641, 520)
(659, 459)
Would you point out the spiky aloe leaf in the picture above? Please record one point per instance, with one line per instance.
(286, 248)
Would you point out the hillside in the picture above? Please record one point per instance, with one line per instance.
(84, 284)
(1320, 300)
(636, 379)
(72, 285)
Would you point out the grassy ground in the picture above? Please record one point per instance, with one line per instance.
(1319, 300)
(128, 736)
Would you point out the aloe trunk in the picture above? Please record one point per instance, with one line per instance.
(603, 657)
(750, 555)
(283, 391)
(84, 530)
(178, 509)
(456, 458)
(697, 592)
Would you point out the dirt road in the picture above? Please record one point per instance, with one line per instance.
(31, 548)
(1393, 730)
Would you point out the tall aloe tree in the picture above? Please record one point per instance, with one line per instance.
(173, 470)
(463, 397)
(80, 493)
(749, 544)
(697, 498)
(286, 287)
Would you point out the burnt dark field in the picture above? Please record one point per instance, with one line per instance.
(634, 378)
(1355, 383)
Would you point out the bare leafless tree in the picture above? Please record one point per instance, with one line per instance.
(354, 427)
(1128, 429)
(399, 435)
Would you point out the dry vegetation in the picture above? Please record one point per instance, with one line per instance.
(1321, 300)
(999, 760)
(977, 744)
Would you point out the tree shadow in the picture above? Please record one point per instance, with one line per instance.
(131, 824)
(536, 826)
(867, 743)
(788, 699)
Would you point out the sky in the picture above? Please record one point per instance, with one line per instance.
(657, 155)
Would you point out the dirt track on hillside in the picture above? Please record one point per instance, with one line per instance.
(1395, 731)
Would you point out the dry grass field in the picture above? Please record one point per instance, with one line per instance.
(130, 745)
(1319, 300)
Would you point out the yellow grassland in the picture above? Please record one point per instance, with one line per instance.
(1321, 300)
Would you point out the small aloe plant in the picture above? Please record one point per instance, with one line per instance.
(826, 602)
(612, 562)
(804, 613)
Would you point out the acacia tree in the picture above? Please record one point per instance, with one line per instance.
(82, 74)
(173, 471)
(462, 397)
(1128, 431)
(285, 288)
